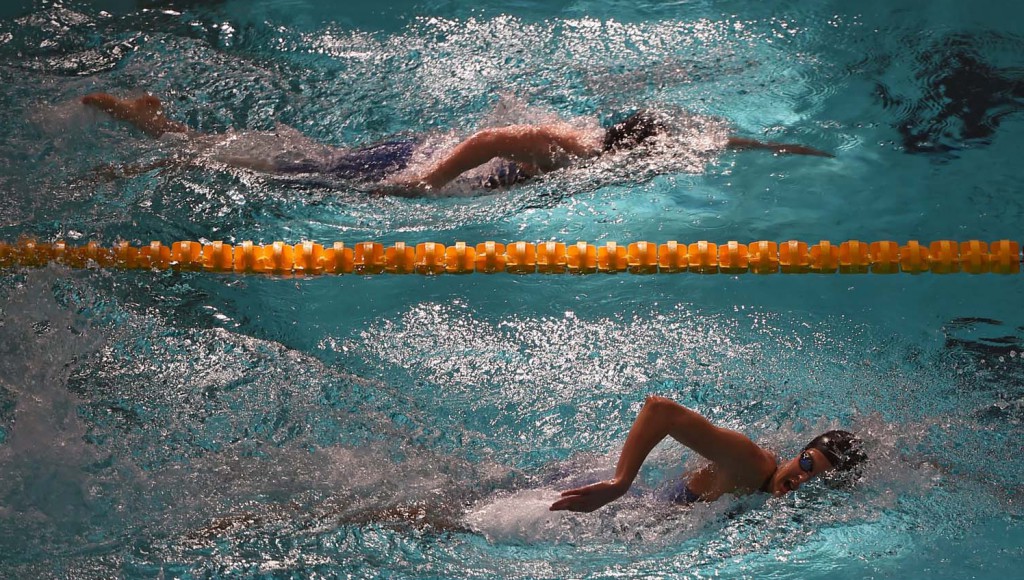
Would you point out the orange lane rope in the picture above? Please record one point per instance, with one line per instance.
(309, 258)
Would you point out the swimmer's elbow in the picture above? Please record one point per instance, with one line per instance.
(670, 410)
(685, 425)
(489, 143)
(657, 402)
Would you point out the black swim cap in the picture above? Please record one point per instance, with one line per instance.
(842, 448)
(632, 131)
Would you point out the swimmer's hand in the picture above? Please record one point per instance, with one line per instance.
(590, 497)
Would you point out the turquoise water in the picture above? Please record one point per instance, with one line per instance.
(164, 424)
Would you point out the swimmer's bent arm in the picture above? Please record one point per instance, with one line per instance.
(535, 145)
(661, 417)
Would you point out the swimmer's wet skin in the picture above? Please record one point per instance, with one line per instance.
(528, 150)
(738, 465)
(145, 112)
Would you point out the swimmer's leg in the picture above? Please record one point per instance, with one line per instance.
(145, 112)
(740, 143)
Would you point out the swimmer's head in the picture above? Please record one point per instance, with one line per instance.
(834, 451)
(842, 449)
(632, 131)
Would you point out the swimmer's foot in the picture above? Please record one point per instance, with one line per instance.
(145, 112)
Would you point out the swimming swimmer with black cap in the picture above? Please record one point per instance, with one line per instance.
(525, 150)
(738, 465)
(543, 148)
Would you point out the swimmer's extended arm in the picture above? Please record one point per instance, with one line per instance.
(740, 143)
(536, 145)
(661, 417)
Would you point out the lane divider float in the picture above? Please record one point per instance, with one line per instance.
(551, 257)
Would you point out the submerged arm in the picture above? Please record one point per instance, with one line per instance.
(661, 417)
(145, 112)
(740, 143)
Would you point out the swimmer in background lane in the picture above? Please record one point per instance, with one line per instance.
(525, 150)
(738, 465)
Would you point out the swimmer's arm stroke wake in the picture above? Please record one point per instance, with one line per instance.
(729, 450)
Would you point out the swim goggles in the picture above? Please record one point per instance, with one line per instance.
(806, 461)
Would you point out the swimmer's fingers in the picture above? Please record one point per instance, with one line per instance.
(582, 490)
(560, 505)
(585, 502)
(569, 503)
(590, 497)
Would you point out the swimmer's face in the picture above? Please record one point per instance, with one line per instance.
(793, 473)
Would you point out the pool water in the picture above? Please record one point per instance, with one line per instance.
(189, 425)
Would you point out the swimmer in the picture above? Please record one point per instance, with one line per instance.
(524, 151)
(738, 465)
